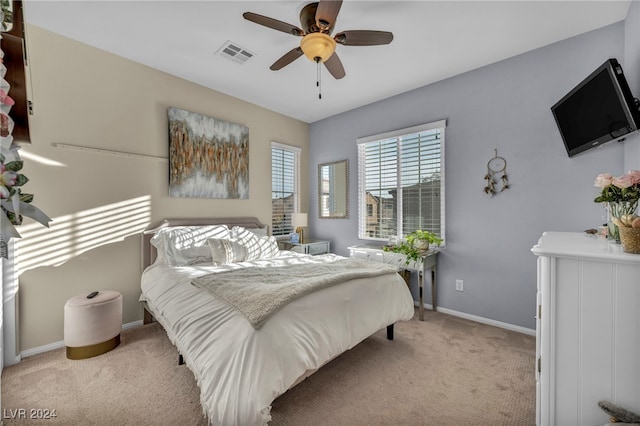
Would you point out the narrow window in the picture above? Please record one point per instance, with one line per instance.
(285, 186)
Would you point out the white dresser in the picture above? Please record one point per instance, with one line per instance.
(587, 329)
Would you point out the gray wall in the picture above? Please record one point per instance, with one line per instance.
(632, 71)
(505, 106)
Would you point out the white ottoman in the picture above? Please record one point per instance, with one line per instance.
(92, 326)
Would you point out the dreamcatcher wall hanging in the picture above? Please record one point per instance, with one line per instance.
(496, 177)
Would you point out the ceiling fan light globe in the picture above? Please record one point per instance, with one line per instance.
(318, 45)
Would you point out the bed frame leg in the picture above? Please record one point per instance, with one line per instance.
(147, 318)
(180, 360)
(390, 332)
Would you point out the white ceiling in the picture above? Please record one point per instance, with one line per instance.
(433, 40)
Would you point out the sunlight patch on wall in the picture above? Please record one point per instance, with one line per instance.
(9, 277)
(71, 235)
(40, 159)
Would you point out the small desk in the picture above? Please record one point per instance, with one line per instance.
(310, 246)
(429, 263)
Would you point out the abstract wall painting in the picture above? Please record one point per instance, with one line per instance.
(208, 157)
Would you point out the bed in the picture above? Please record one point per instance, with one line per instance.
(195, 282)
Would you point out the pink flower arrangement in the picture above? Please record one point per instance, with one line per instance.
(625, 188)
(10, 181)
(621, 195)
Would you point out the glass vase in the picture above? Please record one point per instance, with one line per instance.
(613, 233)
(617, 210)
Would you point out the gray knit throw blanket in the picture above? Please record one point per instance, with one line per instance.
(258, 293)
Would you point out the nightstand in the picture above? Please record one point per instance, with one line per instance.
(310, 246)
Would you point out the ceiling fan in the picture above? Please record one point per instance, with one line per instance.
(317, 20)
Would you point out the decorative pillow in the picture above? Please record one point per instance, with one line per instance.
(257, 243)
(226, 251)
(268, 247)
(248, 239)
(218, 251)
(187, 245)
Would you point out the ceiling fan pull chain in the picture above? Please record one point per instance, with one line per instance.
(318, 78)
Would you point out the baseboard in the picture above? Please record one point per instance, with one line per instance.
(60, 344)
(132, 325)
(482, 320)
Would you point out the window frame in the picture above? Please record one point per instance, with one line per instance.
(362, 192)
(297, 152)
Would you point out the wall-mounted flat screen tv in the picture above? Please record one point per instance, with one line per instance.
(598, 110)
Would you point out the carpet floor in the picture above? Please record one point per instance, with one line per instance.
(441, 371)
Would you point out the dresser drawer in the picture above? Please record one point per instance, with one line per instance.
(319, 248)
(312, 247)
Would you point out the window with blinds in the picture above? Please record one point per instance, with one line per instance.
(401, 182)
(285, 187)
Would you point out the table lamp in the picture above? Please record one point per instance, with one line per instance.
(299, 221)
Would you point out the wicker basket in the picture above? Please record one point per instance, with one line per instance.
(630, 238)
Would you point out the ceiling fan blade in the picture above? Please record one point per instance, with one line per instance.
(273, 23)
(286, 59)
(363, 38)
(334, 65)
(327, 13)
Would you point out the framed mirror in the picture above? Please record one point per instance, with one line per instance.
(333, 190)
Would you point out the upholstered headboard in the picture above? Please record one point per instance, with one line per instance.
(149, 251)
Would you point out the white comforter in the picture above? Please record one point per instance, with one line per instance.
(240, 370)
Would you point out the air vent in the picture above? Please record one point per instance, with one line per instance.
(234, 52)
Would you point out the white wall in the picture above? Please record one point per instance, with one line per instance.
(505, 106)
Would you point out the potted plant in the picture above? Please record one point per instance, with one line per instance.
(411, 253)
(422, 240)
(418, 242)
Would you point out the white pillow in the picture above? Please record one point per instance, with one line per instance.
(268, 247)
(248, 239)
(257, 246)
(226, 251)
(260, 232)
(237, 231)
(187, 245)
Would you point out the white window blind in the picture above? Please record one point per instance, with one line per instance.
(401, 182)
(285, 187)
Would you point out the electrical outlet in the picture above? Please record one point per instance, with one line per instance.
(459, 285)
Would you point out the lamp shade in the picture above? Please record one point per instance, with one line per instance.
(298, 220)
(318, 45)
